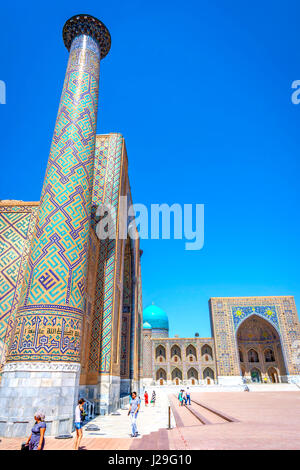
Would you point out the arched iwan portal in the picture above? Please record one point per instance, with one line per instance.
(260, 348)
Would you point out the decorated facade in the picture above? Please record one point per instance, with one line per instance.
(71, 304)
(71, 320)
(254, 339)
(177, 360)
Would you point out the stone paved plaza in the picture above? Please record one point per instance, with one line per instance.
(266, 420)
(151, 418)
(262, 420)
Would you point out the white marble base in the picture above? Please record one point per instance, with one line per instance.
(136, 387)
(147, 383)
(125, 387)
(105, 394)
(29, 387)
(293, 379)
(230, 380)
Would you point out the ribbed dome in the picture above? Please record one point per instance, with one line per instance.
(147, 326)
(156, 317)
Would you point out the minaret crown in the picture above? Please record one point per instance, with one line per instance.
(87, 24)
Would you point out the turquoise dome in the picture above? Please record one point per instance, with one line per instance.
(156, 317)
(147, 326)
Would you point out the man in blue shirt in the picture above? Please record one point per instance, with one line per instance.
(188, 397)
(133, 412)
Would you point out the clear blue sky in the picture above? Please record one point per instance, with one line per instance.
(201, 90)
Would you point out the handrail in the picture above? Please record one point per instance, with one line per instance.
(90, 409)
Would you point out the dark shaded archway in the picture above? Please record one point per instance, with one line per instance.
(259, 348)
(177, 375)
(161, 374)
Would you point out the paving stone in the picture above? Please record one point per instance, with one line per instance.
(266, 420)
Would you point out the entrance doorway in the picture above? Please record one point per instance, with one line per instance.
(273, 375)
(259, 344)
(161, 376)
(255, 375)
(208, 375)
(176, 376)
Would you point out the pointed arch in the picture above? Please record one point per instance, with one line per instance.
(161, 374)
(176, 373)
(255, 373)
(160, 352)
(273, 374)
(192, 373)
(175, 351)
(191, 353)
(208, 373)
(252, 355)
(206, 353)
(269, 355)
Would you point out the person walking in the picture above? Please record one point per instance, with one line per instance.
(153, 398)
(146, 397)
(188, 396)
(79, 410)
(133, 412)
(36, 440)
(180, 397)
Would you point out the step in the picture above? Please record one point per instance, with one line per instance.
(163, 439)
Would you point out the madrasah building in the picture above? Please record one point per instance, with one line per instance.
(71, 315)
(71, 300)
(254, 339)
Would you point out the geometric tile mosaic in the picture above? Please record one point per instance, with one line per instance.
(16, 228)
(228, 313)
(48, 323)
(268, 312)
(106, 189)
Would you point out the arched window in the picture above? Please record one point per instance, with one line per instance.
(192, 373)
(252, 356)
(175, 352)
(191, 353)
(269, 355)
(208, 372)
(160, 353)
(206, 352)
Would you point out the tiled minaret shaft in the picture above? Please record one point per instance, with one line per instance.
(42, 369)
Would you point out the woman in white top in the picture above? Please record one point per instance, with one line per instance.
(78, 422)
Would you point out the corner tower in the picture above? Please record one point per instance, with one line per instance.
(43, 363)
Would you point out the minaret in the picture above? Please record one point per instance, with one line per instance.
(43, 365)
